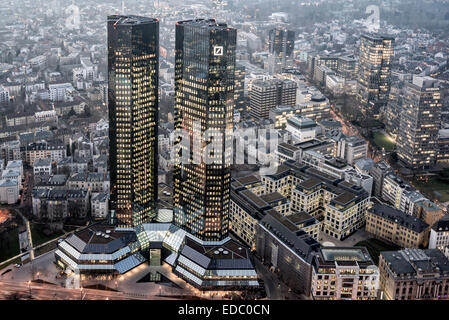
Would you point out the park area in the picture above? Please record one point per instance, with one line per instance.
(9, 242)
(435, 187)
(375, 247)
(383, 141)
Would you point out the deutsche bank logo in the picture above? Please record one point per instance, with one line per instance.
(218, 51)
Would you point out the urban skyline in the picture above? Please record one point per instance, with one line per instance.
(222, 150)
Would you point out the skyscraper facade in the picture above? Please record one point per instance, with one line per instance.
(204, 84)
(281, 45)
(373, 85)
(239, 88)
(266, 95)
(419, 125)
(133, 62)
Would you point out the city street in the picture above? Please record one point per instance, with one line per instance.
(275, 289)
(41, 291)
(43, 269)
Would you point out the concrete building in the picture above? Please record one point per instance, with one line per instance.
(42, 166)
(301, 129)
(352, 148)
(364, 181)
(59, 204)
(99, 205)
(72, 165)
(344, 273)
(266, 95)
(379, 171)
(439, 234)
(61, 92)
(339, 206)
(317, 108)
(288, 250)
(9, 191)
(92, 181)
(40, 150)
(420, 124)
(392, 225)
(414, 274)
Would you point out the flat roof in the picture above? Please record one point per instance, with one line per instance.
(90, 234)
(345, 198)
(300, 217)
(251, 179)
(332, 254)
(273, 197)
(310, 183)
(254, 199)
(130, 19)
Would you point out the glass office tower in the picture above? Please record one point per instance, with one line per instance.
(281, 45)
(204, 84)
(419, 123)
(133, 62)
(373, 84)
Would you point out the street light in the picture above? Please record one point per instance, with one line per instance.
(81, 293)
(29, 286)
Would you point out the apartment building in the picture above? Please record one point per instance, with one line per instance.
(389, 224)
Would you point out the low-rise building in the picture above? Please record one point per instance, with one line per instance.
(301, 129)
(287, 249)
(59, 204)
(345, 214)
(306, 222)
(392, 225)
(352, 148)
(286, 151)
(71, 165)
(104, 252)
(10, 174)
(41, 150)
(327, 164)
(439, 234)
(92, 181)
(53, 181)
(414, 274)
(344, 273)
(339, 205)
(9, 191)
(42, 166)
(99, 205)
(428, 211)
(16, 165)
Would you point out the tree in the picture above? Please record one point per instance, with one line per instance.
(87, 113)
(71, 113)
(394, 157)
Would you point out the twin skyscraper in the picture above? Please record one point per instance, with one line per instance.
(204, 85)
